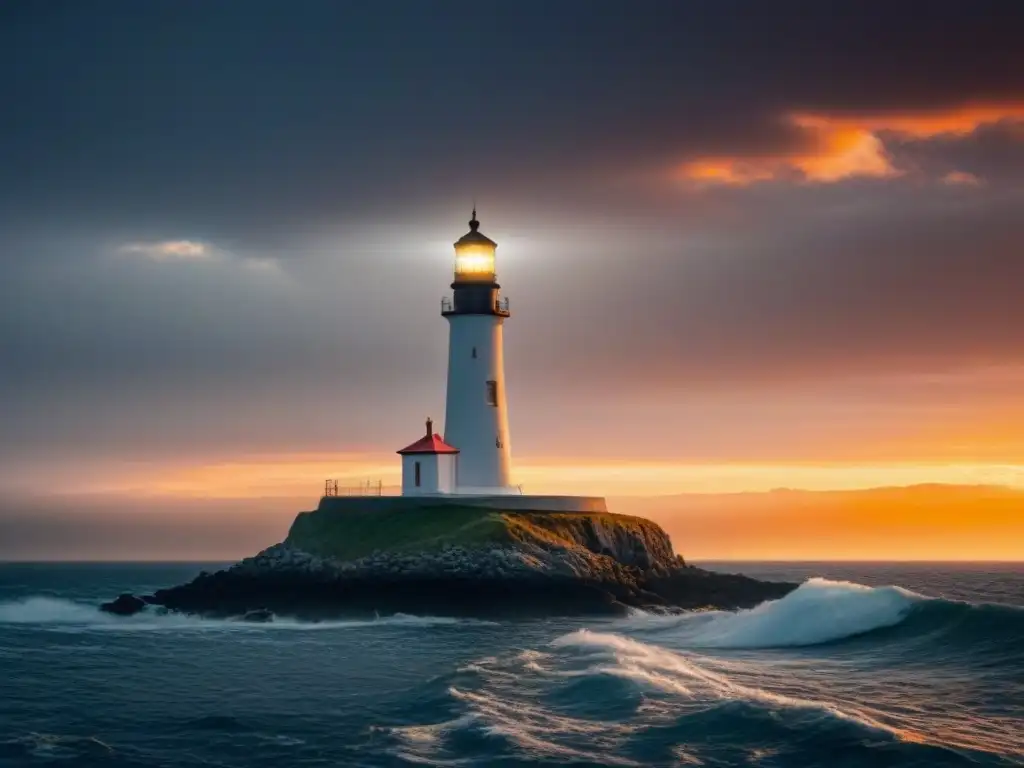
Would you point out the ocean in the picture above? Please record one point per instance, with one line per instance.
(863, 665)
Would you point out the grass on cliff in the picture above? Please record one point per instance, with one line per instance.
(349, 535)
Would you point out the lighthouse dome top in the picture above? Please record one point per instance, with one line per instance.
(474, 236)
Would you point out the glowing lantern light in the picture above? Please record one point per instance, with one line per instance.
(474, 255)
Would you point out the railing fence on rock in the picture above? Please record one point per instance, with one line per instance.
(363, 488)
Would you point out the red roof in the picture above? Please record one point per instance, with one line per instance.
(429, 444)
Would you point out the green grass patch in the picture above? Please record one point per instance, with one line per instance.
(352, 534)
(349, 535)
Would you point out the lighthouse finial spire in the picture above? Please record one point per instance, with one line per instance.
(474, 225)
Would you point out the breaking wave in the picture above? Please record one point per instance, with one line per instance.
(44, 611)
(821, 611)
(723, 687)
(818, 611)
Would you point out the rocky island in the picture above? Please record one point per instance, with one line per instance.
(457, 560)
(461, 539)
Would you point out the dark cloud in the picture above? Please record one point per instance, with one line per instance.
(138, 117)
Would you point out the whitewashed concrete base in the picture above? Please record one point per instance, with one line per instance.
(517, 503)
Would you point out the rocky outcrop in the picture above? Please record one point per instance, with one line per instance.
(124, 605)
(559, 540)
(631, 541)
(487, 565)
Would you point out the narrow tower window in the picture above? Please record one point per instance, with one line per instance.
(474, 353)
(492, 393)
(417, 474)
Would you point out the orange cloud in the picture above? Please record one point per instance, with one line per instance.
(961, 179)
(836, 147)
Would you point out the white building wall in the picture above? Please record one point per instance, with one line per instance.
(437, 473)
(478, 429)
(429, 478)
(447, 464)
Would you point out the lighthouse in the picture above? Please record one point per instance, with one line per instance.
(475, 456)
(476, 406)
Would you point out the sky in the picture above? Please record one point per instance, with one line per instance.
(746, 246)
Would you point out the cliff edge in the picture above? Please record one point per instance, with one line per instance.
(572, 542)
(459, 560)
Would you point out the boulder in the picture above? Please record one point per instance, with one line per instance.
(126, 604)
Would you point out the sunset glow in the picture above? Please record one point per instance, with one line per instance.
(304, 476)
(922, 511)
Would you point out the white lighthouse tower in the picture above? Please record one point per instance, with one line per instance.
(474, 460)
(476, 410)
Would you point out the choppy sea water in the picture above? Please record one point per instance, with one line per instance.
(864, 665)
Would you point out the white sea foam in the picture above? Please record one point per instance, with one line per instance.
(539, 731)
(532, 728)
(658, 668)
(68, 614)
(53, 747)
(47, 610)
(818, 611)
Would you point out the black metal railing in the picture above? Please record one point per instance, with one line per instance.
(364, 488)
(500, 305)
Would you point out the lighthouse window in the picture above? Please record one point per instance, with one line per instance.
(474, 353)
(417, 474)
(492, 393)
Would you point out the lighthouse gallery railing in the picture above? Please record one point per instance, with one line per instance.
(448, 304)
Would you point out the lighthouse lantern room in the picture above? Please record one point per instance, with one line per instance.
(476, 435)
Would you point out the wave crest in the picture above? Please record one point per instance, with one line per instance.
(818, 611)
(39, 610)
(675, 673)
(47, 610)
